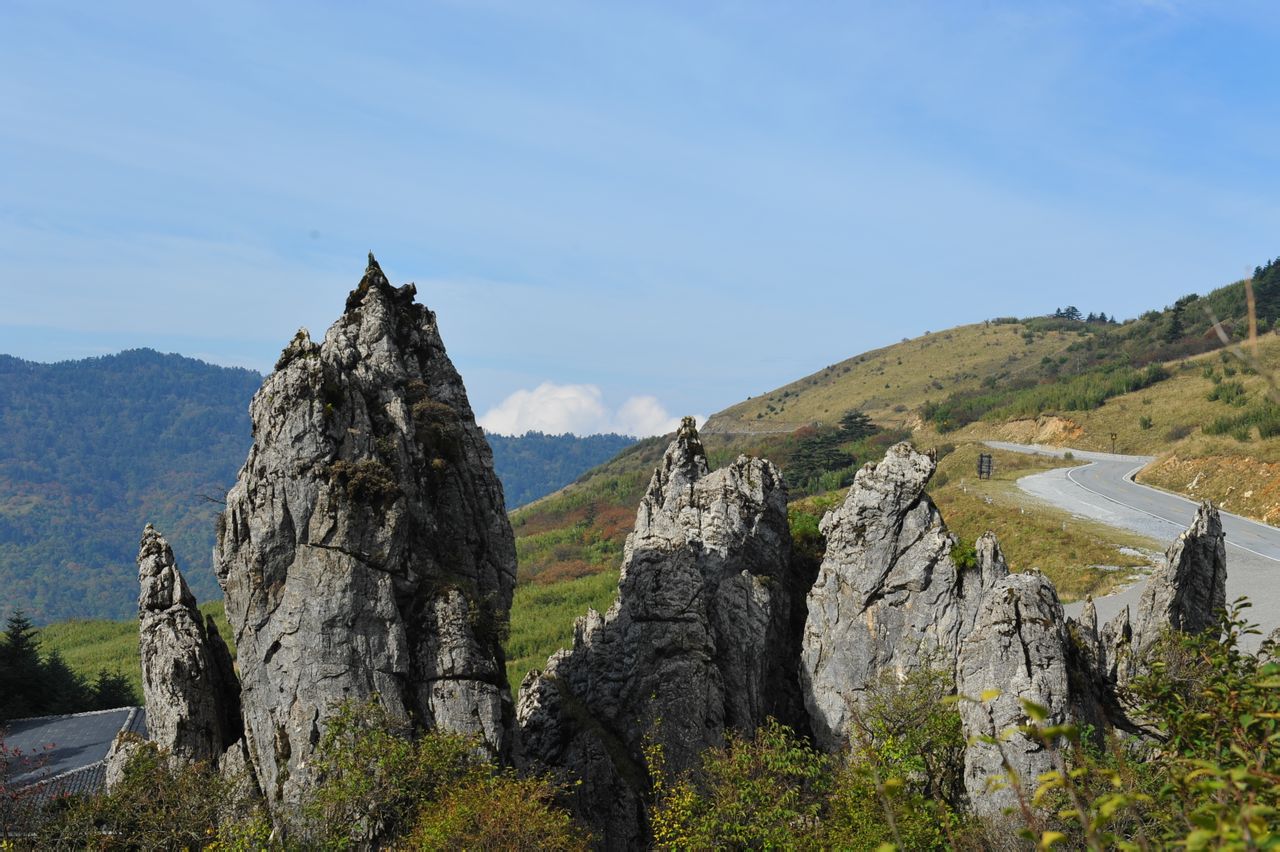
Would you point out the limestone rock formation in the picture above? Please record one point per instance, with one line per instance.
(1022, 647)
(192, 696)
(1189, 590)
(1185, 595)
(699, 641)
(889, 597)
(1018, 649)
(365, 548)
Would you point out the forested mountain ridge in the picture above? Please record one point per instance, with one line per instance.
(93, 450)
(533, 464)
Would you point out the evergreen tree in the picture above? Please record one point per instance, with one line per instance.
(113, 690)
(20, 671)
(61, 690)
(855, 425)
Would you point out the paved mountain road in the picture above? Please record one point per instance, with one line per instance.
(1103, 490)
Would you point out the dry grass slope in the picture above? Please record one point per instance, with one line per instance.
(889, 384)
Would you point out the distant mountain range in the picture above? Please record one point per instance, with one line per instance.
(93, 450)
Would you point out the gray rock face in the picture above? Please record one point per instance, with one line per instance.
(191, 691)
(1024, 648)
(1018, 648)
(698, 642)
(1186, 593)
(365, 548)
(888, 598)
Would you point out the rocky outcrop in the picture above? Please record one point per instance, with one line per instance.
(1184, 595)
(1016, 652)
(1190, 589)
(1023, 649)
(889, 597)
(191, 691)
(365, 548)
(700, 641)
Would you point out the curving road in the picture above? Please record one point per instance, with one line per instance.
(1104, 490)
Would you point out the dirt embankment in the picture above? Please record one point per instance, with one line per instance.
(1241, 484)
(1045, 429)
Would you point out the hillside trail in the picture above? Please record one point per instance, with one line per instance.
(1104, 490)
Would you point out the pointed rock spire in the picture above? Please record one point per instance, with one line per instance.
(700, 641)
(1016, 652)
(192, 695)
(684, 463)
(889, 597)
(365, 548)
(1189, 591)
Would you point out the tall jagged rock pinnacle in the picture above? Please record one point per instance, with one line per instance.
(365, 548)
(1017, 651)
(699, 641)
(1184, 595)
(192, 696)
(1190, 589)
(889, 597)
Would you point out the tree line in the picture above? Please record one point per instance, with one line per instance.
(35, 684)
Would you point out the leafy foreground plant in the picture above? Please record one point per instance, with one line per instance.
(1208, 779)
(384, 787)
(895, 789)
(381, 788)
(159, 805)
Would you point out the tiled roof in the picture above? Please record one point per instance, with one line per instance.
(61, 756)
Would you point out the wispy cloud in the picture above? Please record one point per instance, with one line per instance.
(580, 409)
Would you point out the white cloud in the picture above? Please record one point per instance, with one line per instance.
(580, 409)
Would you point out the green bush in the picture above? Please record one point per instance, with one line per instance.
(381, 784)
(898, 786)
(497, 812)
(768, 791)
(159, 804)
(375, 775)
(1207, 777)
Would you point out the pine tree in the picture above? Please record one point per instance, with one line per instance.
(855, 425)
(113, 690)
(20, 671)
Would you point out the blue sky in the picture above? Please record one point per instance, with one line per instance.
(643, 207)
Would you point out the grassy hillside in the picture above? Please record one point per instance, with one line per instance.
(1156, 381)
(890, 384)
(92, 645)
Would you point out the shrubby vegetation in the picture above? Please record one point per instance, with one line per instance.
(1265, 418)
(159, 805)
(382, 787)
(1206, 777)
(1110, 359)
(1076, 393)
